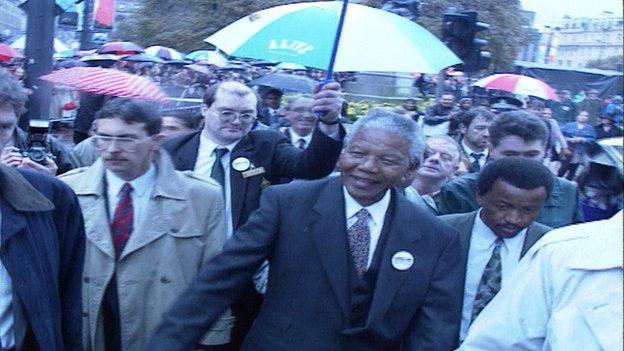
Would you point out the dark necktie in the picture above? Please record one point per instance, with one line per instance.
(359, 241)
(301, 143)
(218, 172)
(490, 282)
(475, 166)
(122, 224)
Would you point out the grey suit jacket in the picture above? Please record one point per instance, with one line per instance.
(463, 223)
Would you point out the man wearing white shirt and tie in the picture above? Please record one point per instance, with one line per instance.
(354, 265)
(474, 144)
(298, 110)
(511, 192)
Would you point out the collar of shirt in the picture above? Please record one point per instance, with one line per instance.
(140, 185)
(295, 137)
(377, 210)
(469, 151)
(485, 237)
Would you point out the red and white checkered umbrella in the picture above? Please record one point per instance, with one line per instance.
(120, 48)
(164, 53)
(517, 84)
(107, 81)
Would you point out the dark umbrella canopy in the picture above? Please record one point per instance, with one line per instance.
(143, 58)
(120, 48)
(286, 82)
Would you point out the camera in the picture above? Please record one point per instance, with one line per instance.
(38, 146)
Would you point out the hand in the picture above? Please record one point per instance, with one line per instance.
(49, 168)
(11, 157)
(328, 101)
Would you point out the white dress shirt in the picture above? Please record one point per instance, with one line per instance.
(377, 214)
(480, 250)
(141, 193)
(294, 138)
(7, 338)
(469, 151)
(203, 168)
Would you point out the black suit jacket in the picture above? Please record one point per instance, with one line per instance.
(464, 222)
(264, 148)
(301, 228)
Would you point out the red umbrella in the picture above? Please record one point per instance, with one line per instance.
(517, 84)
(120, 48)
(7, 53)
(107, 81)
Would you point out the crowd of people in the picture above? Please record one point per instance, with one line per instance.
(260, 221)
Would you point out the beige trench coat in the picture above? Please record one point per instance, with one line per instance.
(184, 226)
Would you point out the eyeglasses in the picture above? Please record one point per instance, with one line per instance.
(103, 142)
(230, 116)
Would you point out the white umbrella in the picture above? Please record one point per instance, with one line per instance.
(303, 33)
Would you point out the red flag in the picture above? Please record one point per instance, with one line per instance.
(104, 12)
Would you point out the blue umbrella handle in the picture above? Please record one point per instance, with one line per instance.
(330, 67)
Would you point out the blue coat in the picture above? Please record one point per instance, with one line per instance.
(42, 249)
(301, 229)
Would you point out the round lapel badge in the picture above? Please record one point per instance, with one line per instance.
(241, 164)
(402, 260)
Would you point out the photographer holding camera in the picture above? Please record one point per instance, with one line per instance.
(36, 150)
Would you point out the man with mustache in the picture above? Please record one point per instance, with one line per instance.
(511, 192)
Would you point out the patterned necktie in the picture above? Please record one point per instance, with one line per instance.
(475, 166)
(121, 227)
(359, 241)
(301, 143)
(490, 282)
(218, 172)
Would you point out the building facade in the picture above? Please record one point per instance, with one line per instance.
(584, 39)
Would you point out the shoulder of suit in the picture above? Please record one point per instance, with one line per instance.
(72, 173)
(175, 143)
(565, 184)
(194, 179)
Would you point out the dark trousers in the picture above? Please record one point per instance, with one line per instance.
(245, 310)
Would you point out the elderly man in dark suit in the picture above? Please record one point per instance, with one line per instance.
(352, 265)
(494, 238)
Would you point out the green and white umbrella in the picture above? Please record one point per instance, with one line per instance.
(304, 33)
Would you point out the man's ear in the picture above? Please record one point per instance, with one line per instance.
(462, 128)
(204, 110)
(479, 197)
(157, 140)
(408, 177)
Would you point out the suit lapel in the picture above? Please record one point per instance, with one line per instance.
(238, 183)
(184, 158)
(399, 227)
(533, 234)
(328, 225)
(464, 227)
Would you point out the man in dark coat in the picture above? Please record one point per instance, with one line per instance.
(521, 134)
(41, 258)
(354, 266)
(251, 159)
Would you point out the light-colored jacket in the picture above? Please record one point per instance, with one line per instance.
(184, 227)
(565, 295)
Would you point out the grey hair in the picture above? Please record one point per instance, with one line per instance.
(386, 120)
(292, 98)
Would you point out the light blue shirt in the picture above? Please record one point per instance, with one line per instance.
(142, 190)
(480, 250)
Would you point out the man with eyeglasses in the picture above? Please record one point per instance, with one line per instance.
(149, 229)
(243, 161)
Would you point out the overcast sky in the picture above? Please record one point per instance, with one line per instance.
(551, 11)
